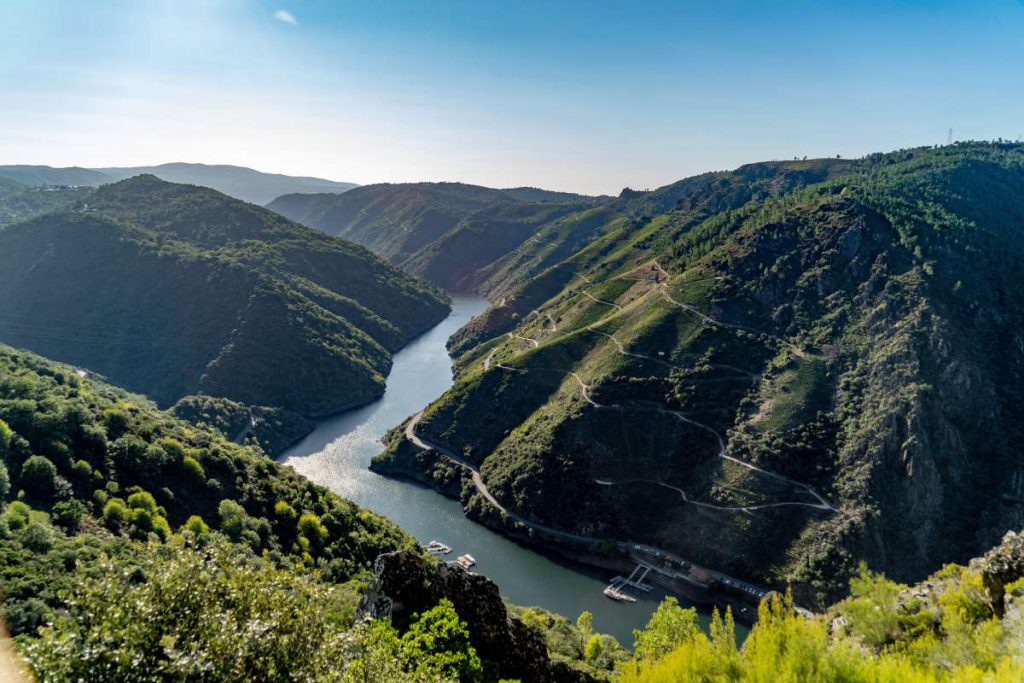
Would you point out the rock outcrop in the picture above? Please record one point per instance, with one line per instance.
(406, 584)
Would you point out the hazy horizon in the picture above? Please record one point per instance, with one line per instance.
(574, 97)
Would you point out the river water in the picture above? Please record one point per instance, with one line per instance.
(337, 455)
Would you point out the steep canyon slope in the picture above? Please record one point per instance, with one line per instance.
(776, 371)
(174, 290)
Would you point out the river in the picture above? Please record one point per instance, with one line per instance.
(337, 455)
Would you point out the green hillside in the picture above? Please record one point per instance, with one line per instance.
(136, 546)
(776, 371)
(20, 202)
(174, 290)
(445, 232)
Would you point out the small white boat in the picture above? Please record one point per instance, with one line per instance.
(438, 548)
(466, 561)
(615, 594)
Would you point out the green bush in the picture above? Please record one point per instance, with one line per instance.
(82, 471)
(115, 514)
(193, 469)
(39, 477)
(17, 515)
(233, 519)
(186, 615)
(37, 537)
(68, 514)
(196, 525)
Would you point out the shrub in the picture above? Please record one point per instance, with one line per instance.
(193, 469)
(82, 471)
(17, 515)
(285, 512)
(196, 525)
(142, 500)
(39, 477)
(258, 623)
(312, 529)
(37, 537)
(116, 422)
(115, 514)
(68, 514)
(233, 519)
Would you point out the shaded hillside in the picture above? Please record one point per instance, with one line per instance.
(769, 379)
(457, 260)
(443, 231)
(175, 290)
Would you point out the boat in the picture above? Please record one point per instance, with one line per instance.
(615, 594)
(438, 548)
(466, 561)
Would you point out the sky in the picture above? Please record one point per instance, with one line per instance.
(583, 96)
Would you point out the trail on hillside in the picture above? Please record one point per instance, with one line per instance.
(821, 504)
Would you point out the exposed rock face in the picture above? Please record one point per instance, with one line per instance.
(1001, 566)
(407, 583)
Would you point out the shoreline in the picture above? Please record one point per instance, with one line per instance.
(613, 558)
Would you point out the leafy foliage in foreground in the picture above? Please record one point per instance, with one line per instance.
(196, 610)
(91, 465)
(961, 631)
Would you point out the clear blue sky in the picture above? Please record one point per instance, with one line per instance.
(586, 96)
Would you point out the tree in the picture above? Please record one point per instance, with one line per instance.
(312, 529)
(39, 477)
(17, 515)
(440, 636)
(196, 525)
(669, 627)
(233, 519)
(115, 514)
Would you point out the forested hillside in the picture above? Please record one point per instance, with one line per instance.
(445, 232)
(20, 202)
(173, 290)
(134, 546)
(776, 372)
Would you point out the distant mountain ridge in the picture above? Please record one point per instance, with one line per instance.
(239, 182)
